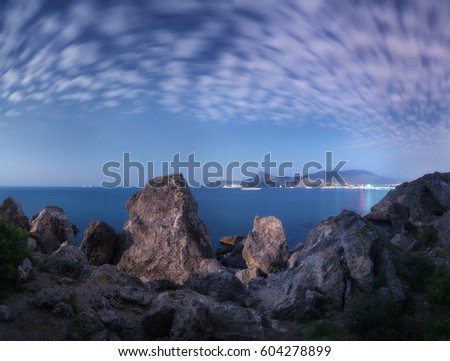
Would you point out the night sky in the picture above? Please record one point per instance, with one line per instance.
(81, 82)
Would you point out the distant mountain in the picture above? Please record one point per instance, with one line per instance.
(351, 177)
(265, 180)
(354, 177)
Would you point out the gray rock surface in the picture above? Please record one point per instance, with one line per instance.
(164, 238)
(99, 242)
(11, 211)
(246, 275)
(420, 200)
(265, 246)
(51, 228)
(222, 286)
(68, 260)
(6, 314)
(23, 270)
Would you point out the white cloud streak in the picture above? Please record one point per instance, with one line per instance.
(377, 72)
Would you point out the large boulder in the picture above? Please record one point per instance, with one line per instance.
(99, 241)
(68, 260)
(265, 247)
(186, 315)
(421, 200)
(338, 257)
(51, 228)
(164, 237)
(12, 212)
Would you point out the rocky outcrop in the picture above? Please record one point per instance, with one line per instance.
(12, 212)
(5, 314)
(417, 214)
(222, 286)
(67, 260)
(51, 228)
(421, 200)
(164, 238)
(336, 263)
(265, 247)
(350, 273)
(99, 243)
(23, 270)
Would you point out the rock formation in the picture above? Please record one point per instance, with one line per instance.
(51, 228)
(378, 277)
(12, 212)
(265, 246)
(164, 238)
(99, 242)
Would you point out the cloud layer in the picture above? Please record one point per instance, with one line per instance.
(378, 72)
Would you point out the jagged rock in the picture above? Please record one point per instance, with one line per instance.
(164, 238)
(99, 241)
(222, 286)
(48, 298)
(335, 263)
(158, 322)
(230, 322)
(51, 228)
(6, 314)
(425, 199)
(265, 247)
(233, 258)
(32, 243)
(108, 317)
(281, 295)
(23, 270)
(88, 322)
(63, 310)
(338, 257)
(141, 296)
(231, 240)
(191, 323)
(393, 283)
(12, 212)
(246, 275)
(68, 260)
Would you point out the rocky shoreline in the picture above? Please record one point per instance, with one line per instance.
(159, 279)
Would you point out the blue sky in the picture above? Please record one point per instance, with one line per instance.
(81, 82)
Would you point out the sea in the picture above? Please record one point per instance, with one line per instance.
(225, 211)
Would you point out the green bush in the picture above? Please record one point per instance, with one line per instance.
(438, 287)
(321, 330)
(429, 235)
(13, 249)
(415, 270)
(375, 318)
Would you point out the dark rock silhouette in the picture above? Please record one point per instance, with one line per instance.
(99, 243)
(12, 212)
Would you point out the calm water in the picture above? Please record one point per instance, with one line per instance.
(224, 211)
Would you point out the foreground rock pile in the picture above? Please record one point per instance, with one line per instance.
(159, 277)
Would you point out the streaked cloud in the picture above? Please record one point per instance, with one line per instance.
(377, 72)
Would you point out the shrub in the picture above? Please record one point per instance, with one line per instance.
(380, 279)
(321, 330)
(375, 318)
(414, 270)
(13, 249)
(438, 287)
